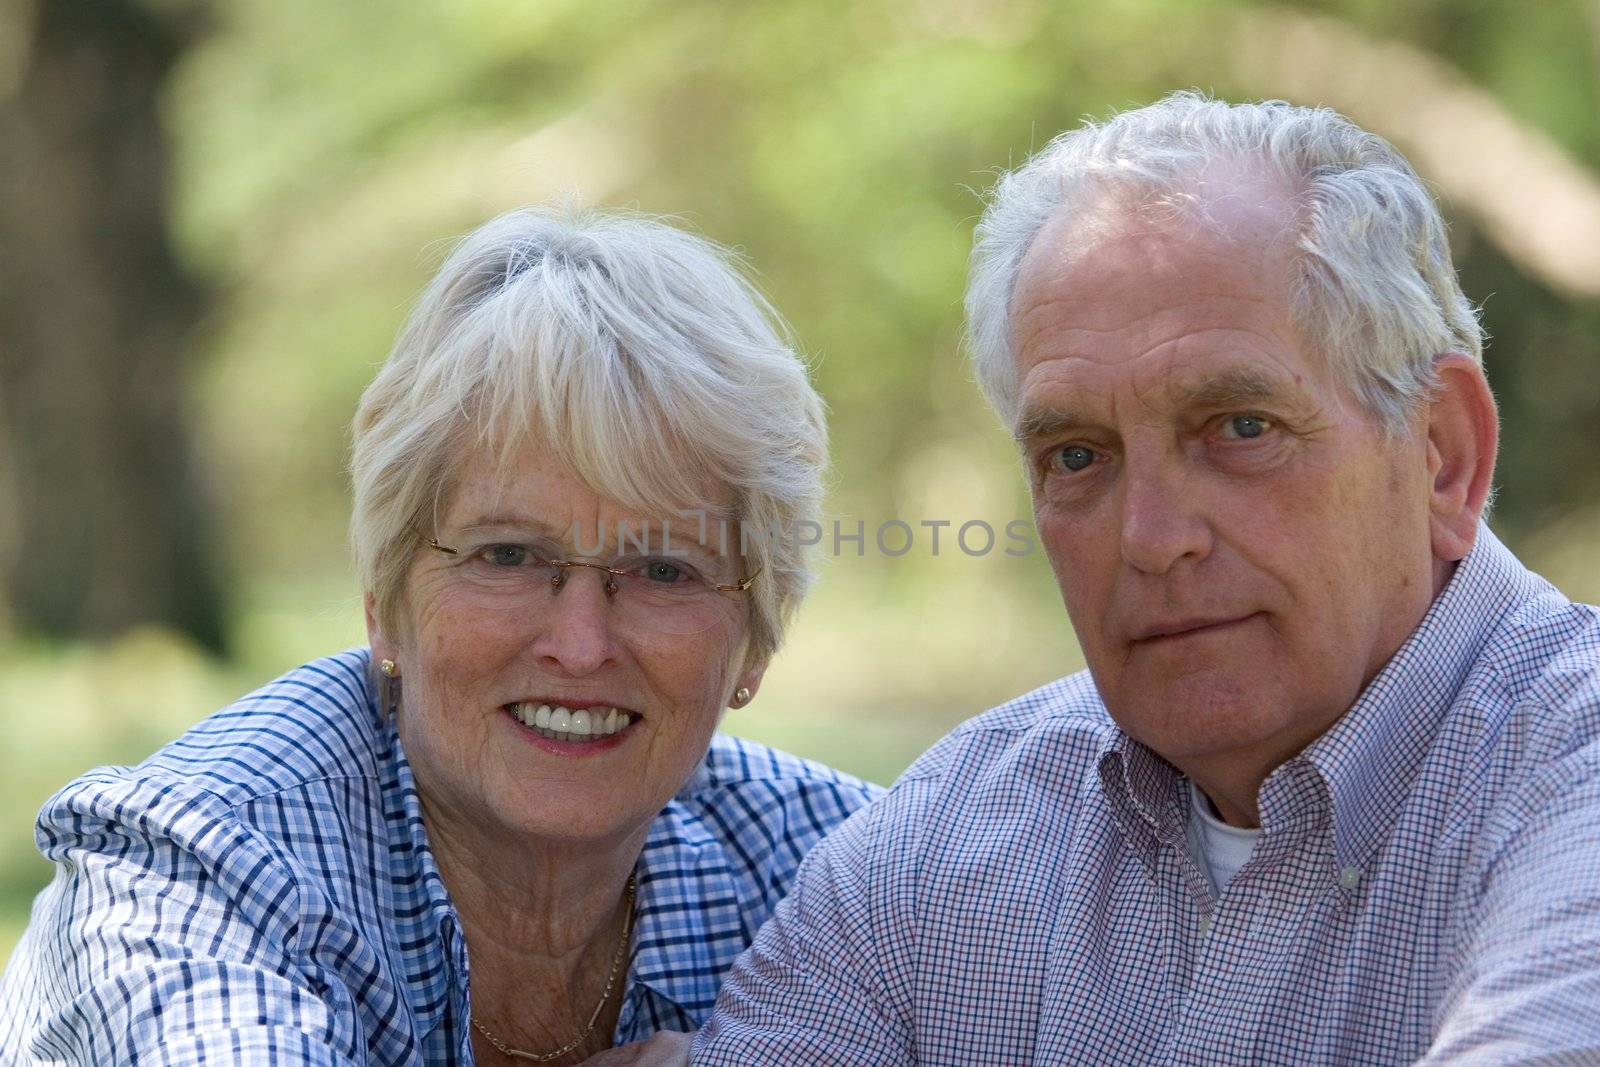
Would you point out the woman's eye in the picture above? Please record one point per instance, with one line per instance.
(506, 555)
(1245, 427)
(1074, 457)
(659, 570)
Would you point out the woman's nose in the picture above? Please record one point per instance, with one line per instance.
(576, 622)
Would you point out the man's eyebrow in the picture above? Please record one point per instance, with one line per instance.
(1035, 423)
(1235, 387)
(1229, 388)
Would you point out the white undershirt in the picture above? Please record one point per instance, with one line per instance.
(1221, 849)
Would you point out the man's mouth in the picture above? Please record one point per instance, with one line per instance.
(1186, 627)
(561, 723)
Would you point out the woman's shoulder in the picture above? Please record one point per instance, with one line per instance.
(724, 852)
(735, 763)
(763, 807)
(316, 722)
(256, 855)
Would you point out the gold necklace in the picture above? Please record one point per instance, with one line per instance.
(605, 998)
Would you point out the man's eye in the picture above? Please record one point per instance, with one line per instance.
(1245, 427)
(506, 555)
(1074, 457)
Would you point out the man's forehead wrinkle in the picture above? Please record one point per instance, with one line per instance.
(1251, 230)
(1055, 398)
(1103, 316)
(1169, 345)
(1153, 387)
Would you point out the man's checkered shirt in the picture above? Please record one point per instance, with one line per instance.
(261, 891)
(1427, 883)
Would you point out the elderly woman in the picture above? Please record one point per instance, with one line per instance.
(510, 831)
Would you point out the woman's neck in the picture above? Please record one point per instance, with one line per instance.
(543, 924)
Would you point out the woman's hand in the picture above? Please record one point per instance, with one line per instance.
(662, 1049)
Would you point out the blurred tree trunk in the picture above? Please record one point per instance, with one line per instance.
(109, 527)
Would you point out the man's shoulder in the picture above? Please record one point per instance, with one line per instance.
(1523, 731)
(1029, 765)
(1541, 707)
(1544, 662)
(1007, 792)
(1549, 636)
(1062, 725)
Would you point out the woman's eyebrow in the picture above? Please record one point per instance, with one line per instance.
(623, 540)
(509, 522)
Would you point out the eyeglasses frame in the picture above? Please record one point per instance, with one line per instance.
(559, 579)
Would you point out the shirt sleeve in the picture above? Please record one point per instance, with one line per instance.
(169, 936)
(1527, 990)
(827, 979)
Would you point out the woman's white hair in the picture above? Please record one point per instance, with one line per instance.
(638, 353)
(1377, 291)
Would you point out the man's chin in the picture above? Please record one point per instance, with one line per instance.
(1214, 719)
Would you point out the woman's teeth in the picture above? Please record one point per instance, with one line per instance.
(565, 724)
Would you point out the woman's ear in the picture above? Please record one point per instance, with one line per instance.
(749, 682)
(383, 648)
(1463, 433)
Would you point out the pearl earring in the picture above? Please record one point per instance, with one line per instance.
(741, 697)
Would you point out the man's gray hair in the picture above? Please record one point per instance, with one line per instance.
(1376, 288)
(637, 353)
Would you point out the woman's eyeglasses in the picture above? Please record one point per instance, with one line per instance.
(667, 594)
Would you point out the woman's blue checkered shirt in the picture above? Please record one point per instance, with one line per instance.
(261, 890)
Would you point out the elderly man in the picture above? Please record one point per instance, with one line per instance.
(1329, 791)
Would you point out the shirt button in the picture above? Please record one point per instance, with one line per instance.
(1350, 877)
(1205, 925)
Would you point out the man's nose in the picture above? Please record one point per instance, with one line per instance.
(577, 634)
(1163, 520)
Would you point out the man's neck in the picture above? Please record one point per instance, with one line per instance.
(1232, 781)
(1236, 806)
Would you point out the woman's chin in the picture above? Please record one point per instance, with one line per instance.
(545, 815)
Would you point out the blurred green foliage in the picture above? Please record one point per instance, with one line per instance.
(326, 152)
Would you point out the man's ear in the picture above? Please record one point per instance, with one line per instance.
(1463, 433)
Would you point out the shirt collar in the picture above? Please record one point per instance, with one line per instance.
(1143, 791)
(688, 920)
(421, 917)
(1370, 758)
(1366, 763)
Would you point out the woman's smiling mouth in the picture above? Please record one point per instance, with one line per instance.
(558, 722)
